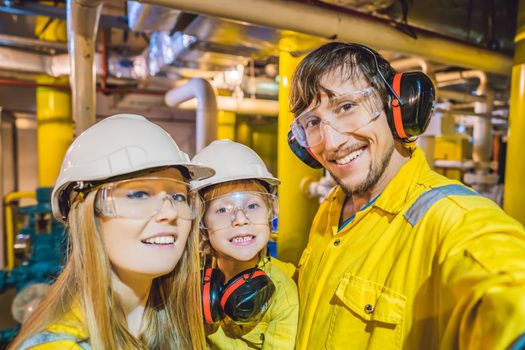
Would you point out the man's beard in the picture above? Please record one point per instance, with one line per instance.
(375, 172)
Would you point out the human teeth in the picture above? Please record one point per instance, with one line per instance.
(349, 158)
(160, 240)
(242, 239)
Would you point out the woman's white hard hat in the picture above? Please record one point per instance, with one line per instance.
(118, 145)
(231, 161)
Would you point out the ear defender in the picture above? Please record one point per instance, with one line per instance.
(244, 298)
(303, 153)
(212, 281)
(410, 104)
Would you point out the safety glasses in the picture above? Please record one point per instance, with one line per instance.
(145, 197)
(348, 113)
(258, 208)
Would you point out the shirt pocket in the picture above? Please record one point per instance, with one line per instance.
(366, 315)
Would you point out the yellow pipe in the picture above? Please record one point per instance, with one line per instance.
(226, 125)
(296, 212)
(53, 111)
(9, 224)
(514, 191)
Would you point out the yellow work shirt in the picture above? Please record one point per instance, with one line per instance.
(278, 326)
(67, 334)
(453, 280)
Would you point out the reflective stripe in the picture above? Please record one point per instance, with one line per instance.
(519, 344)
(48, 337)
(427, 199)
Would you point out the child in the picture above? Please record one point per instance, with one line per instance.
(131, 280)
(240, 204)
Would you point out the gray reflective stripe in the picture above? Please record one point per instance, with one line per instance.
(48, 337)
(427, 199)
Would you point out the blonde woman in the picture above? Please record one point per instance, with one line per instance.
(131, 280)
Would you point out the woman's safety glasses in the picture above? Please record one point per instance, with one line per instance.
(143, 198)
(349, 113)
(257, 207)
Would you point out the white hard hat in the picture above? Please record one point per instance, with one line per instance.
(118, 145)
(231, 161)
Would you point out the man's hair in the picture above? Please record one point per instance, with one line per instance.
(351, 59)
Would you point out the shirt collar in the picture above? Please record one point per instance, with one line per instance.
(397, 192)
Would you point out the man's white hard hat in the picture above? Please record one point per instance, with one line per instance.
(231, 161)
(118, 145)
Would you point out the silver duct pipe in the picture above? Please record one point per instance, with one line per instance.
(206, 112)
(331, 24)
(150, 18)
(82, 25)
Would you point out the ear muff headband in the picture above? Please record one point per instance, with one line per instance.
(206, 297)
(396, 107)
(237, 283)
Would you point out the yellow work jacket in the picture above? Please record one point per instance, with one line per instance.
(448, 273)
(67, 334)
(278, 326)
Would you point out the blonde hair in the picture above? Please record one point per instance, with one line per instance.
(232, 186)
(172, 316)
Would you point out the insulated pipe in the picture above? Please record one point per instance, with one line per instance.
(406, 64)
(462, 75)
(336, 25)
(514, 195)
(243, 106)
(296, 212)
(53, 111)
(482, 132)
(206, 112)
(82, 24)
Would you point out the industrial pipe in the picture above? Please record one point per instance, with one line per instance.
(514, 196)
(406, 64)
(249, 106)
(9, 224)
(332, 24)
(206, 112)
(82, 24)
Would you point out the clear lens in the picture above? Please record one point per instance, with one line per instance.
(142, 198)
(349, 113)
(256, 207)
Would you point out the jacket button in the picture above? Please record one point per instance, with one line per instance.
(369, 308)
(337, 242)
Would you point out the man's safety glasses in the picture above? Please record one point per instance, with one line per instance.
(144, 197)
(349, 113)
(257, 207)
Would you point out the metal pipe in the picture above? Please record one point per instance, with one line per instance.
(9, 224)
(332, 25)
(458, 96)
(406, 64)
(463, 75)
(249, 106)
(18, 41)
(82, 23)
(206, 112)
